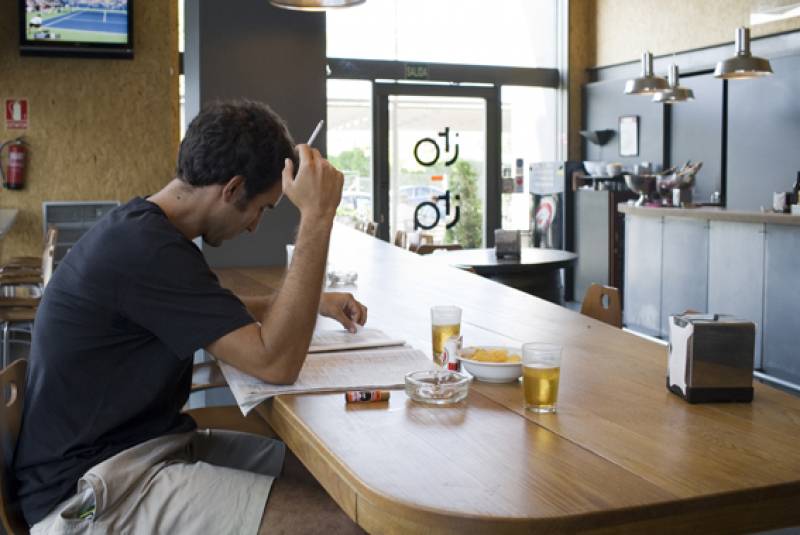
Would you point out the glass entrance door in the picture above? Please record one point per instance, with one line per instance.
(434, 158)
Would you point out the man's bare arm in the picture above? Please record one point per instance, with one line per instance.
(275, 351)
(258, 306)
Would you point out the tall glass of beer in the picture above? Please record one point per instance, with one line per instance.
(541, 368)
(445, 322)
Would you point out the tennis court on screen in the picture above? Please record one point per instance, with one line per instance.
(95, 20)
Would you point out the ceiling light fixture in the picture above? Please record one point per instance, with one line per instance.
(743, 65)
(647, 83)
(314, 5)
(675, 92)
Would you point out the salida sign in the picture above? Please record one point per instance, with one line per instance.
(427, 214)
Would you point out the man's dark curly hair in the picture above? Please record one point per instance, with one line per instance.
(236, 138)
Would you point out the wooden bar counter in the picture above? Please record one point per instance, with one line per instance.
(621, 454)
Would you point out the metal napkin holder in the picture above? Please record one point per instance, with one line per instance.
(711, 358)
(507, 244)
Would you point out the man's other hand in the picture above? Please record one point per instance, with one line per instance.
(344, 308)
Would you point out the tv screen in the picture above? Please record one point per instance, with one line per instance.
(99, 28)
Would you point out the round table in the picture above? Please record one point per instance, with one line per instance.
(537, 271)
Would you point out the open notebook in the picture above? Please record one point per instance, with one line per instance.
(333, 372)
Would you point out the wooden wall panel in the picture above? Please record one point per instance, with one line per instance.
(100, 129)
(582, 55)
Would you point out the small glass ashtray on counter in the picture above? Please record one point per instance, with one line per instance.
(437, 387)
(341, 277)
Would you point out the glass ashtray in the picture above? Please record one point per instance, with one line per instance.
(339, 277)
(437, 387)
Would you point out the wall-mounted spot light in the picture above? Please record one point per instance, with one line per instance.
(597, 137)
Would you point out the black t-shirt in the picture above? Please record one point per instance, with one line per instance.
(111, 359)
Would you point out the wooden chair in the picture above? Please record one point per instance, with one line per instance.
(401, 239)
(430, 248)
(207, 375)
(12, 387)
(603, 303)
(417, 239)
(371, 228)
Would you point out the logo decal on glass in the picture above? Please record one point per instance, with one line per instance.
(427, 153)
(436, 150)
(427, 214)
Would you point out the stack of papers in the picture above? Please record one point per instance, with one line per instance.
(335, 371)
(338, 340)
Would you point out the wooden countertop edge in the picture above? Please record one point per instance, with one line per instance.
(376, 512)
(712, 214)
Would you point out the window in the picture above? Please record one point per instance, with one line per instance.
(350, 146)
(506, 40)
(517, 33)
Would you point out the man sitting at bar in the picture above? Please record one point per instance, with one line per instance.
(104, 446)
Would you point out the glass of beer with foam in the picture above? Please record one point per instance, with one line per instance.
(445, 322)
(541, 368)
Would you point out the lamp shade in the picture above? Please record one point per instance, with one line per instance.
(743, 65)
(314, 5)
(675, 92)
(647, 83)
(597, 137)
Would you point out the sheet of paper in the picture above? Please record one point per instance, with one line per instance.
(334, 340)
(333, 372)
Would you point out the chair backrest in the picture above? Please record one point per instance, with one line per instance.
(12, 390)
(371, 228)
(48, 255)
(429, 248)
(417, 238)
(603, 303)
(401, 239)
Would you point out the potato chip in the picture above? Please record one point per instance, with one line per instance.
(494, 355)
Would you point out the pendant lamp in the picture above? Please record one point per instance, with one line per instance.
(647, 83)
(743, 65)
(675, 92)
(314, 5)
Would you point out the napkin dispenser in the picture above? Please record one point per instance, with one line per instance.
(507, 243)
(711, 358)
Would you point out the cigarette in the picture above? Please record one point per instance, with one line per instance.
(366, 396)
(315, 132)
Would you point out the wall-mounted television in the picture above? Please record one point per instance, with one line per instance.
(87, 28)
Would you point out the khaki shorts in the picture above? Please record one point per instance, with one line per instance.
(205, 481)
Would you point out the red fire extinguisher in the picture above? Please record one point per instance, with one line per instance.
(14, 174)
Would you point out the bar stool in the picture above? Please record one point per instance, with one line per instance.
(19, 301)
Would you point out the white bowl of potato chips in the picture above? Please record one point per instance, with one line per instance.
(492, 364)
